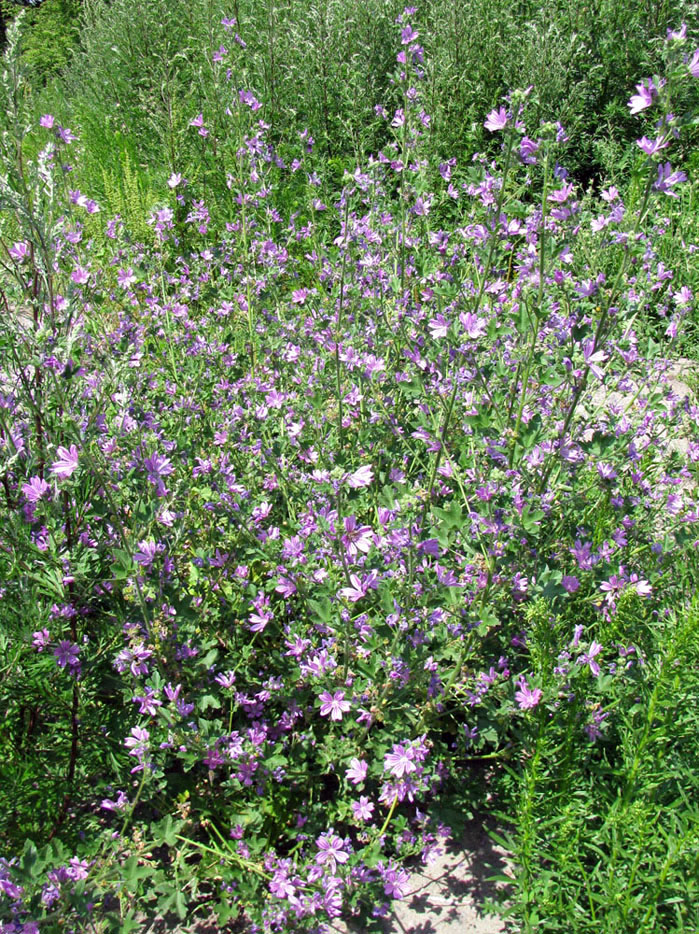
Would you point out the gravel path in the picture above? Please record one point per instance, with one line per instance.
(447, 897)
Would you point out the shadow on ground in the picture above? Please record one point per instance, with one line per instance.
(448, 896)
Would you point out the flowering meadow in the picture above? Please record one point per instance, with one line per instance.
(336, 508)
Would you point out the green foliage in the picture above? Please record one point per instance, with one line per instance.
(52, 32)
(607, 838)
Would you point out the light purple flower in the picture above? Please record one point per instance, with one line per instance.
(561, 195)
(357, 771)
(496, 120)
(667, 179)
(528, 150)
(439, 327)
(331, 852)
(589, 657)
(651, 146)
(118, 805)
(606, 471)
(126, 277)
(149, 703)
(137, 743)
(526, 697)
(678, 34)
(299, 296)
(361, 477)
(40, 639)
(147, 553)
(67, 462)
(358, 588)
(357, 537)
(408, 35)
(47, 121)
(286, 587)
(694, 65)
(362, 809)
(333, 705)
(644, 97)
(421, 208)
(34, 489)
(396, 882)
(19, 251)
(472, 324)
(399, 761)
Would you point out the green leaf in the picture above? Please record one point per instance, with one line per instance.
(531, 518)
(29, 860)
(321, 609)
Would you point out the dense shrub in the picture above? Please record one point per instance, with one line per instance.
(315, 498)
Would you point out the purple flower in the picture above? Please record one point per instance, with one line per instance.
(651, 146)
(526, 697)
(408, 35)
(589, 657)
(570, 583)
(421, 208)
(286, 587)
(126, 277)
(331, 852)
(496, 120)
(280, 884)
(358, 588)
(439, 327)
(395, 882)
(642, 587)
(694, 65)
(472, 324)
(47, 121)
(356, 773)
(149, 703)
(34, 489)
(334, 705)
(361, 477)
(362, 809)
(561, 195)
(40, 639)
(146, 553)
(644, 98)
(19, 251)
(137, 743)
(157, 466)
(67, 462)
(677, 34)
(667, 179)
(118, 805)
(527, 150)
(66, 653)
(399, 761)
(356, 538)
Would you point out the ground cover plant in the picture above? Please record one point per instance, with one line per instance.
(338, 508)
